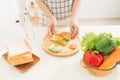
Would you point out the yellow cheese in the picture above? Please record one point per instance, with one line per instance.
(19, 52)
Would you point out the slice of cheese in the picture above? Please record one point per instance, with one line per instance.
(19, 52)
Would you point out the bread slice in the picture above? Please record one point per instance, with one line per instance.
(19, 52)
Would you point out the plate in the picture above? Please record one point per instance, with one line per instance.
(66, 51)
(24, 67)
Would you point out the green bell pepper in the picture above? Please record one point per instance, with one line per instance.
(104, 43)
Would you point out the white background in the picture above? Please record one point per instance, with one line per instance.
(99, 8)
(88, 9)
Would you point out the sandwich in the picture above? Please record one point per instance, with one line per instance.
(61, 38)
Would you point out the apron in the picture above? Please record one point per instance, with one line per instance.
(61, 9)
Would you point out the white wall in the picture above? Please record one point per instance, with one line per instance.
(88, 9)
(99, 8)
(7, 12)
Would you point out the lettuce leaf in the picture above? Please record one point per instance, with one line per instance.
(59, 40)
(88, 41)
(117, 40)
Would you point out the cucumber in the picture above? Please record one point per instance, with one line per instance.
(52, 46)
(59, 48)
(55, 48)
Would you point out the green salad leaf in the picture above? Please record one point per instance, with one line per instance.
(88, 41)
(117, 40)
(59, 40)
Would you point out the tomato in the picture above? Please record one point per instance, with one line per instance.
(66, 35)
(93, 58)
(59, 36)
(73, 46)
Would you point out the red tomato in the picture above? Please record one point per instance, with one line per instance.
(73, 46)
(93, 58)
(59, 36)
(66, 35)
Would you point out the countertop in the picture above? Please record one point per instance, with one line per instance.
(50, 67)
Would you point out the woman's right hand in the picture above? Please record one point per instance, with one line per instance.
(51, 26)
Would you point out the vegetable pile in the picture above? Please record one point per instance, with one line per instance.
(98, 49)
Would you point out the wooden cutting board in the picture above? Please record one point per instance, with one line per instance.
(24, 67)
(66, 51)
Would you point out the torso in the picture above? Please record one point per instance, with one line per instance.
(61, 9)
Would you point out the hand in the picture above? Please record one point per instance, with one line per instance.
(74, 29)
(51, 26)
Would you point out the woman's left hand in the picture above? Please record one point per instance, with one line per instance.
(74, 29)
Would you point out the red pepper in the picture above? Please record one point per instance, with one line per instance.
(93, 58)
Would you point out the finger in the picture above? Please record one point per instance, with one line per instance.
(78, 31)
(53, 29)
(49, 30)
(71, 30)
(75, 32)
(74, 35)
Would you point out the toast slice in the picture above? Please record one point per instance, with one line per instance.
(19, 52)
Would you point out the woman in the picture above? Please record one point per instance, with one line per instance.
(60, 11)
